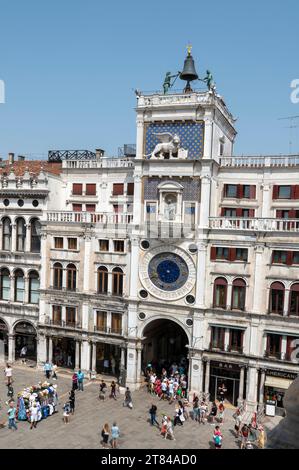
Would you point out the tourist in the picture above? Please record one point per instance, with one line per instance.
(72, 399)
(113, 390)
(221, 413)
(8, 374)
(238, 420)
(171, 391)
(47, 369)
(23, 354)
(213, 412)
(33, 415)
(75, 381)
(261, 441)
(217, 438)
(244, 436)
(169, 430)
(102, 391)
(10, 392)
(113, 364)
(203, 412)
(128, 399)
(114, 435)
(54, 372)
(106, 366)
(222, 390)
(179, 416)
(105, 435)
(80, 377)
(196, 409)
(12, 416)
(153, 415)
(66, 413)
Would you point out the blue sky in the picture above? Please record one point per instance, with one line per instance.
(70, 67)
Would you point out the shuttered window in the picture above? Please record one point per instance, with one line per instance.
(91, 190)
(118, 189)
(77, 189)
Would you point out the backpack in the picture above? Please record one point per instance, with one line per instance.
(217, 440)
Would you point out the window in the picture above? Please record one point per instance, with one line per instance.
(150, 211)
(71, 277)
(245, 213)
(229, 254)
(21, 234)
(118, 189)
(70, 316)
(241, 254)
(77, 207)
(35, 235)
(246, 191)
(117, 281)
(230, 212)
(276, 298)
(56, 314)
(104, 245)
(116, 323)
(57, 276)
(119, 246)
(240, 191)
(72, 243)
(91, 189)
(273, 345)
(101, 321)
(58, 243)
(279, 257)
(77, 189)
(217, 338)
(19, 286)
(294, 299)
(284, 192)
(222, 253)
(236, 340)
(33, 288)
(220, 290)
(221, 148)
(231, 190)
(5, 284)
(6, 234)
(90, 207)
(189, 213)
(295, 257)
(130, 189)
(102, 280)
(238, 294)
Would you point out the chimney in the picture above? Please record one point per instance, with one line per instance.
(11, 158)
(21, 158)
(99, 153)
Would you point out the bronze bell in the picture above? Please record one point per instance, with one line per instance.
(189, 73)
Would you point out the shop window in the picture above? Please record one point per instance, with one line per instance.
(35, 235)
(33, 287)
(118, 189)
(102, 280)
(71, 277)
(130, 189)
(19, 286)
(91, 189)
(58, 243)
(101, 321)
(70, 316)
(220, 291)
(294, 300)
(56, 314)
(57, 276)
(116, 320)
(77, 189)
(276, 298)
(117, 281)
(119, 246)
(238, 294)
(5, 284)
(104, 245)
(217, 338)
(20, 235)
(72, 243)
(6, 234)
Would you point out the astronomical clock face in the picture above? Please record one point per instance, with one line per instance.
(167, 272)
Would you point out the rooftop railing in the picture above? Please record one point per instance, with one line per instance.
(254, 224)
(260, 161)
(101, 163)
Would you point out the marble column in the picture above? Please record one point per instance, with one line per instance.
(283, 350)
(28, 238)
(286, 303)
(50, 349)
(204, 210)
(207, 377)
(226, 339)
(122, 358)
(241, 386)
(94, 357)
(139, 352)
(11, 348)
(262, 385)
(13, 237)
(201, 275)
(251, 392)
(77, 355)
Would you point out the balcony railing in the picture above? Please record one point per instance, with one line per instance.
(108, 330)
(101, 163)
(64, 323)
(104, 218)
(254, 224)
(273, 354)
(260, 161)
(235, 349)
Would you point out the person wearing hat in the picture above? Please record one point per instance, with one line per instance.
(33, 415)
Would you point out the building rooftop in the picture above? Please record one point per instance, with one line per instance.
(33, 166)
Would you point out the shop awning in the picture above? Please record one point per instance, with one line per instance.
(277, 382)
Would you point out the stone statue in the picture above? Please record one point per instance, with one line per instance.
(209, 81)
(170, 208)
(169, 145)
(167, 81)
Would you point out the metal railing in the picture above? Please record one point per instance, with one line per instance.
(254, 224)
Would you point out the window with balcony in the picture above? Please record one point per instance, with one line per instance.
(70, 316)
(239, 212)
(231, 190)
(119, 246)
(287, 214)
(6, 234)
(71, 277)
(240, 191)
(77, 189)
(220, 292)
(101, 321)
(104, 245)
(117, 281)
(276, 298)
(90, 207)
(238, 294)
(20, 234)
(5, 284)
(77, 207)
(33, 287)
(116, 323)
(118, 189)
(294, 299)
(130, 189)
(222, 253)
(91, 189)
(19, 286)
(57, 276)
(72, 243)
(273, 346)
(35, 235)
(56, 314)
(236, 340)
(227, 212)
(102, 280)
(217, 338)
(58, 243)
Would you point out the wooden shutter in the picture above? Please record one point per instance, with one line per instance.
(275, 191)
(239, 212)
(293, 191)
(77, 188)
(251, 212)
(232, 254)
(118, 189)
(77, 207)
(289, 258)
(130, 189)
(297, 191)
(292, 214)
(279, 214)
(239, 191)
(90, 207)
(252, 192)
(213, 252)
(222, 211)
(90, 189)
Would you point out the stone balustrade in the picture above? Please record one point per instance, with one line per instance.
(260, 161)
(254, 224)
(101, 163)
(89, 217)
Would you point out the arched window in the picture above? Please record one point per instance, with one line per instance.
(102, 280)
(117, 281)
(276, 298)
(5, 284)
(19, 286)
(21, 234)
(294, 299)
(57, 276)
(6, 234)
(35, 235)
(238, 294)
(33, 287)
(220, 292)
(71, 277)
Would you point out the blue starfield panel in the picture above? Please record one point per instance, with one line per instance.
(190, 133)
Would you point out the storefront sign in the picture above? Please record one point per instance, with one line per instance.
(282, 374)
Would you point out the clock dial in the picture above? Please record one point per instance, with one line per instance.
(168, 271)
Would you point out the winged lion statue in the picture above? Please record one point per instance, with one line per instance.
(169, 145)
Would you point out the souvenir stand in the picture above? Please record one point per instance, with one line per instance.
(43, 394)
